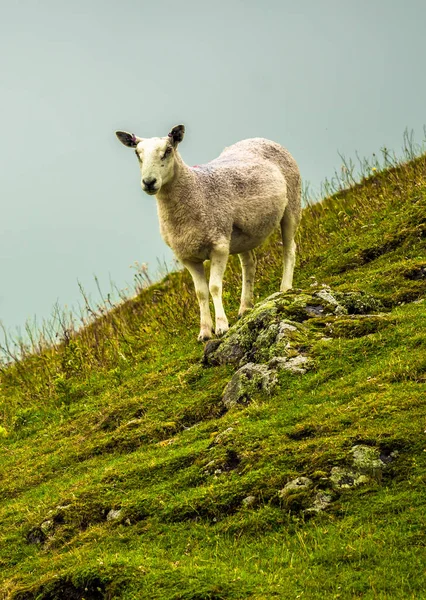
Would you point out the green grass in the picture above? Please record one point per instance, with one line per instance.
(122, 415)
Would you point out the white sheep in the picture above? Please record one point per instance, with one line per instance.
(227, 206)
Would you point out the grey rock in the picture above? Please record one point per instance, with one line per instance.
(47, 526)
(297, 364)
(113, 514)
(277, 362)
(222, 437)
(248, 380)
(284, 328)
(249, 501)
(343, 479)
(359, 303)
(274, 296)
(325, 294)
(366, 460)
(209, 348)
(321, 502)
(367, 467)
(300, 484)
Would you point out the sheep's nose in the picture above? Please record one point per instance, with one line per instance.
(149, 183)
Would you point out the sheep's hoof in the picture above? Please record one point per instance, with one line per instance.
(243, 311)
(221, 330)
(204, 336)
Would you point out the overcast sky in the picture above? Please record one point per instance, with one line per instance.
(318, 76)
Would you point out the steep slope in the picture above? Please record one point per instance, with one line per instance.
(125, 475)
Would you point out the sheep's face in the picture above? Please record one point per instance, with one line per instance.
(156, 157)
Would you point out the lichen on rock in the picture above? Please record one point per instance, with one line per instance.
(367, 466)
(296, 485)
(248, 380)
(275, 336)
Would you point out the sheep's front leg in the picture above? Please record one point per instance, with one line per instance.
(248, 267)
(219, 258)
(201, 289)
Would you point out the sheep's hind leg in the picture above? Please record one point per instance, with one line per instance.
(288, 231)
(248, 267)
(201, 289)
(219, 258)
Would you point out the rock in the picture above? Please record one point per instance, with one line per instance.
(325, 294)
(249, 501)
(248, 380)
(342, 479)
(276, 336)
(321, 502)
(209, 348)
(367, 466)
(300, 484)
(237, 344)
(284, 327)
(366, 460)
(47, 526)
(113, 514)
(297, 364)
(223, 436)
(359, 303)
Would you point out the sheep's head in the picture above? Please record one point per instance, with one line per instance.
(156, 157)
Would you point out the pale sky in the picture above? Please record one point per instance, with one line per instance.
(318, 76)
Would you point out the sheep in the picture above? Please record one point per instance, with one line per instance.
(228, 206)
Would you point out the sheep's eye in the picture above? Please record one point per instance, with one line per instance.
(167, 152)
(138, 155)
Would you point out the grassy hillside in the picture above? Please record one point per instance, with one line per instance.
(124, 477)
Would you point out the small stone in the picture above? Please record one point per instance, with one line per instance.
(297, 364)
(300, 484)
(221, 437)
(47, 526)
(366, 459)
(249, 501)
(342, 479)
(321, 502)
(113, 514)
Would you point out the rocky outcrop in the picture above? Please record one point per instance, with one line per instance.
(277, 335)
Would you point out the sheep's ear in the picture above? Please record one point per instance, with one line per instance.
(128, 139)
(176, 134)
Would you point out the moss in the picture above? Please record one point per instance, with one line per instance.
(359, 303)
(357, 327)
(297, 502)
(139, 426)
